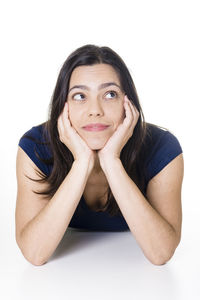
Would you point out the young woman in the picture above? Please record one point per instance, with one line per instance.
(96, 164)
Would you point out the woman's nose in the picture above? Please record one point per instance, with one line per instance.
(95, 108)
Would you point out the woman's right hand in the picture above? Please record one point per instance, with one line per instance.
(72, 140)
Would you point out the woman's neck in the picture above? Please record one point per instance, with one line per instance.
(97, 167)
(97, 174)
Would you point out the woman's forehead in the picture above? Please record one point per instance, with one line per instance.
(98, 73)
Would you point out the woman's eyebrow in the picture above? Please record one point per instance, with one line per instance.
(101, 86)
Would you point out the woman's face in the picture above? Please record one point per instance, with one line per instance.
(98, 99)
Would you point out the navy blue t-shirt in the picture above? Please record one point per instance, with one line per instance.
(164, 148)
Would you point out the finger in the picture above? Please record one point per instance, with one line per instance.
(128, 112)
(65, 115)
(60, 128)
(133, 107)
(134, 110)
(135, 116)
(66, 119)
(60, 124)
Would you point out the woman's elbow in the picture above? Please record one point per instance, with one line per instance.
(38, 263)
(30, 256)
(34, 260)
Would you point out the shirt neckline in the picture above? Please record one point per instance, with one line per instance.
(88, 208)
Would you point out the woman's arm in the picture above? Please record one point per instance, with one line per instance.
(155, 222)
(41, 224)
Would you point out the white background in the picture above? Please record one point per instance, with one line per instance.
(159, 42)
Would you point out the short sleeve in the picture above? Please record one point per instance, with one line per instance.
(35, 150)
(165, 151)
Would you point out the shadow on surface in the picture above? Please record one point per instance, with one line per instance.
(76, 239)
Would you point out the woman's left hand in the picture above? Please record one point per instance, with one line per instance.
(116, 142)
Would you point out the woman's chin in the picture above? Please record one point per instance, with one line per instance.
(95, 147)
(96, 144)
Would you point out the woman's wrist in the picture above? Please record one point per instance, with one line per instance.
(108, 162)
(84, 163)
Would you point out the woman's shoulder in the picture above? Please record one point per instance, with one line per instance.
(37, 133)
(161, 147)
(157, 135)
(155, 132)
(35, 142)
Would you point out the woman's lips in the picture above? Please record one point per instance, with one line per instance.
(95, 127)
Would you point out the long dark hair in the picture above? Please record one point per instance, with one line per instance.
(133, 153)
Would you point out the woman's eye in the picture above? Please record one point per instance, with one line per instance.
(77, 97)
(80, 97)
(112, 93)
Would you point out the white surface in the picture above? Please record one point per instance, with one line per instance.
(101, 265)
(159, 42)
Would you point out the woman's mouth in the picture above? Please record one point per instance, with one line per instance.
(95, 127)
